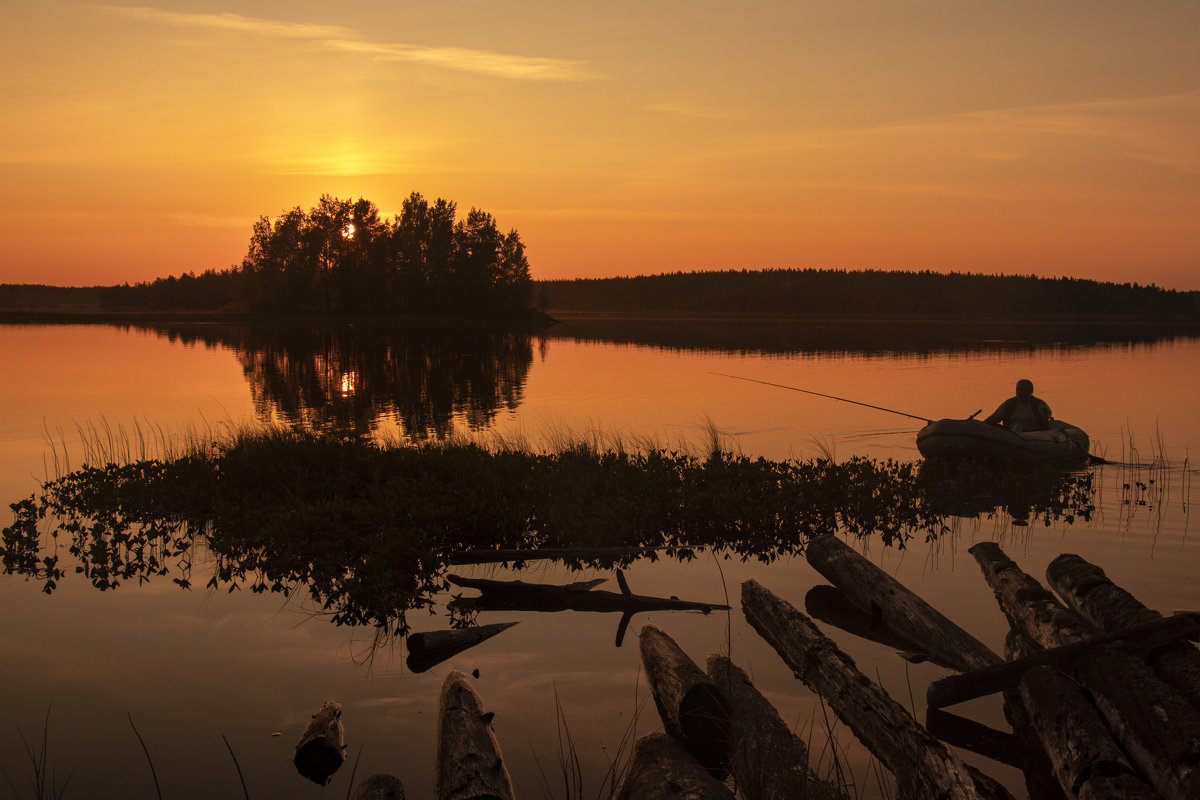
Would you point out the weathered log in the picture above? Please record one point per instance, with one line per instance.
(1138, 639)
(692, 708)
(1155, 726)
(469, 765)
(522, 596)
(923, 766)
(379, 787)
(768, 761)
(1089, 591)
(1040, 780)
(321, 749)
(1087, 762)
(661, 769)
(430, 648)
(896, 606)
(831, 605)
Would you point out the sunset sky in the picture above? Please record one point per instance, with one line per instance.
(1053, 138)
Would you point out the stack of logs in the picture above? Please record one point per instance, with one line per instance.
(1103, 696)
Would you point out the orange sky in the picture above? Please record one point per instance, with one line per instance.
(619, 138)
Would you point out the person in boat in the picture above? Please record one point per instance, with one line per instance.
(1023, 412)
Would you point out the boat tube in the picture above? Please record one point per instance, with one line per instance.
(974, 439)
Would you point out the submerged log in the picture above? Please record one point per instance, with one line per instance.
(768, 761)
(469, 765)
(1090, 592)
(831, 605)
(321, 750)
(661, 769)
(967, 734)
(522, 596)
(1152, 722)
(1087, 762)
(379, 787)
(1138, 639)
(692, 708)
(923, 766)
(892, 604)
(430, 648)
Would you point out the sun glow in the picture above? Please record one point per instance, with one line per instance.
(348, 231)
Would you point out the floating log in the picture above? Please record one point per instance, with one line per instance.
(896, 606)
(831, 605)
(1138, 639)
(321, 750)
(1155, 726)
(923, 766)
(768, 761)
(1090, 592)
(463, 557)
(379, 787)
(1087, 762)
(430, 648)
(469, 765)
(692, 708)
(522, 596)
(661, 769)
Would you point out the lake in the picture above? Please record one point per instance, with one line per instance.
(189, 667)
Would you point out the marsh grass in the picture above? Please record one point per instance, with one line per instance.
(43, 777)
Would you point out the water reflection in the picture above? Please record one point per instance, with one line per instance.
(369, 533)
(865, 336)
(351, 379)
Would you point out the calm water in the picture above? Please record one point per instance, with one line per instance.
(189, 666)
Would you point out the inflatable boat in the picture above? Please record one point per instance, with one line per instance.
(975, 439)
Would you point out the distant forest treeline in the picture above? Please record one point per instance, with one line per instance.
(923, 294)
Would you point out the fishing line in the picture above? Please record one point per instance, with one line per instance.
(924, 419)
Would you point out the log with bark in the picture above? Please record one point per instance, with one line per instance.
(768, 761)
(692, 708)
(662, 769)
(892, 604)
(1087, 762)
(1040, 780)
(1153, 723)
(469, 765)
(429, 648)
(1086, 588)
(379, 787)
(923, 766)
(321, 749)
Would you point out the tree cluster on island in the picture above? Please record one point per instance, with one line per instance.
(341, 257)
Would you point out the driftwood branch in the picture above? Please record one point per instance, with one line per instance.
(768, 761)
(661, 769)
(469, 765)
(1090, 592)
(923, 766)
(522, 596)
(321, 750)
(430, 648)
(894, 605)
(693, 710)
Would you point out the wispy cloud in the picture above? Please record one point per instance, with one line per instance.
(340, 38)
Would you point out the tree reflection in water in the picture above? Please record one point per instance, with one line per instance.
(367, 531)
(350, 379)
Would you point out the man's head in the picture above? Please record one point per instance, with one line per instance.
(1024, 387)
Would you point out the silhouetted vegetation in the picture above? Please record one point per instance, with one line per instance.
(816, 292)
(366, 531)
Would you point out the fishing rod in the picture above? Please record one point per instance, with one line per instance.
(830, 396)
